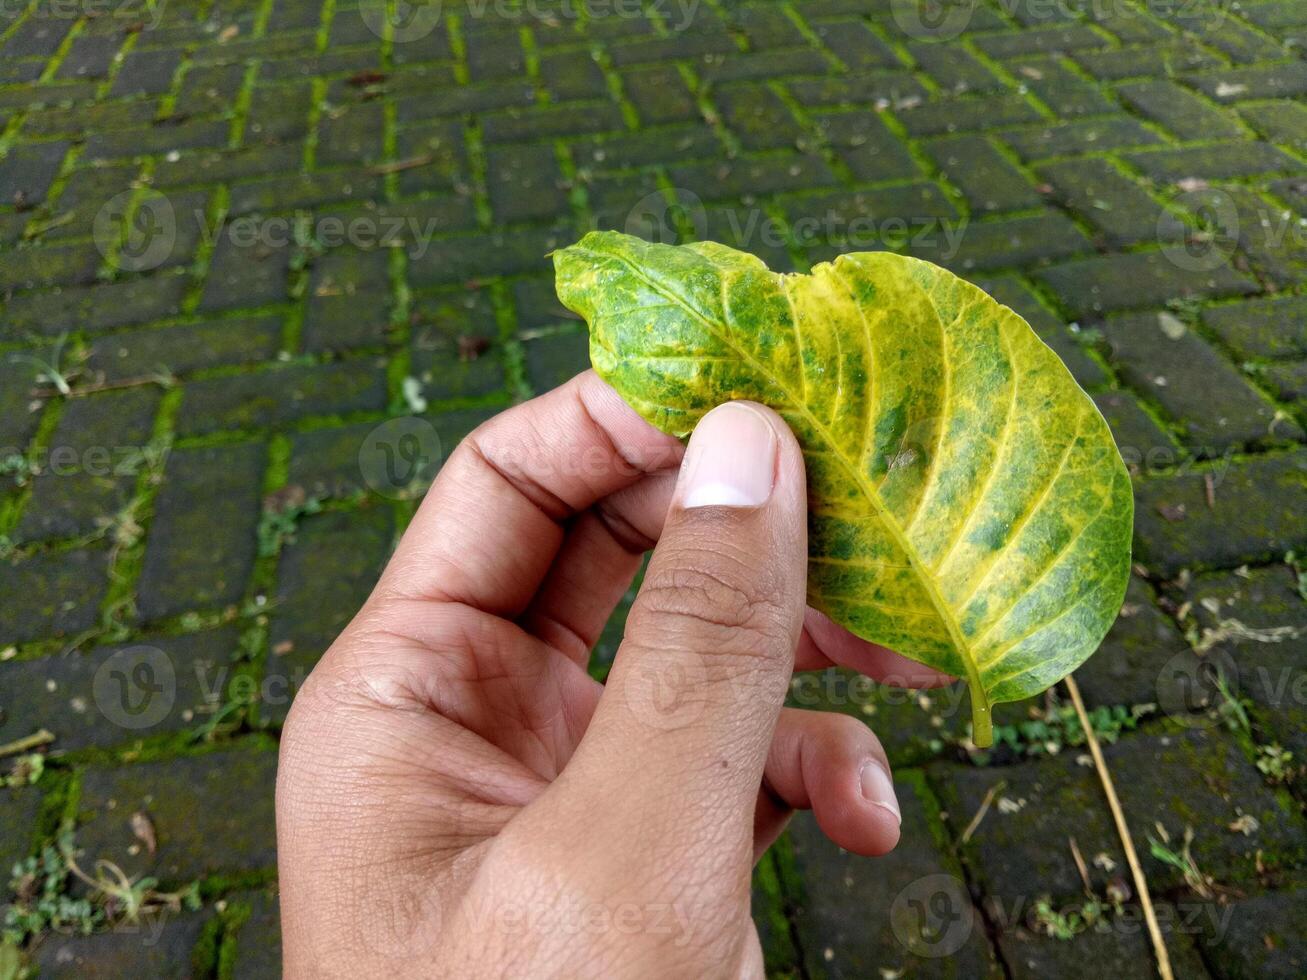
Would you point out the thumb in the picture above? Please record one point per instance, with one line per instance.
(688, 712)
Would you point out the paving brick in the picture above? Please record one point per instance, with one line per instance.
(258, 941)
(494, 54)
(352, 137)
(763, 65)
(1244, 159)
(543, 122)
(897, 914)
(75, 120)
(52, 265)
(63, 591)
(454, 352)
(28, 170)
(249, 267)
(18, 421)
(1196, 778)
(659, 94)
(1281, 121)
(858, 91)
(962, 115)
(868, 147)
(767, 27)
(763, 174)
(555, 358)
(1264, 936)
(1255, 517)
(1088, 287)
(1180, 110)
(182, 349)
(280, 396)
(323, 578)
(96, 308)
(573, 75)
(38, 37)
(1237, 84)
(1080, 136)
(95, 699)
(1134, 62)
(465, 257)
(219, 166)
(158, 946)
(1202, 392)
(211, 813)
(162, 138)
(856, 45)
(200, 546)
(1118, 945)
(283, 194)
(757, 117)
(147, 73)
(673, 144)
(1074, 37)
(1118, 208)
(1261, 657)
(525, 183)
(348, 300)
(1003, 243)
(480, 98)
(954, 69)
(87, 57)
(94, 456)
(989, 181)
(18, 811)
(1145, 446)
(1060, 88)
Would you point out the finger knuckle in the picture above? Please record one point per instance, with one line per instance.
(714, 601)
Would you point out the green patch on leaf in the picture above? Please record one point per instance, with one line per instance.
(968, 507)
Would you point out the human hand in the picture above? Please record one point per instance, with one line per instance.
(458, 797)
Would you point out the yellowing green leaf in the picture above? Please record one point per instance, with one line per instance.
(969, 508)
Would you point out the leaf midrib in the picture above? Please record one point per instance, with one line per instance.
(896, 532)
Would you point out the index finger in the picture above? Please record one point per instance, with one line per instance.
(493, 521)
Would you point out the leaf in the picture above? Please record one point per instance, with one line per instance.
(968, 506)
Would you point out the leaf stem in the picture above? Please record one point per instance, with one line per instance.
(982, 721)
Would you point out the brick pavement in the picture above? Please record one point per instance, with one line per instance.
(236, 238)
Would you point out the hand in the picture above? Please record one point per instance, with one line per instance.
(457, 797)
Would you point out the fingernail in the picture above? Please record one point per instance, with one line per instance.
(878, 788)
(731, 460)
